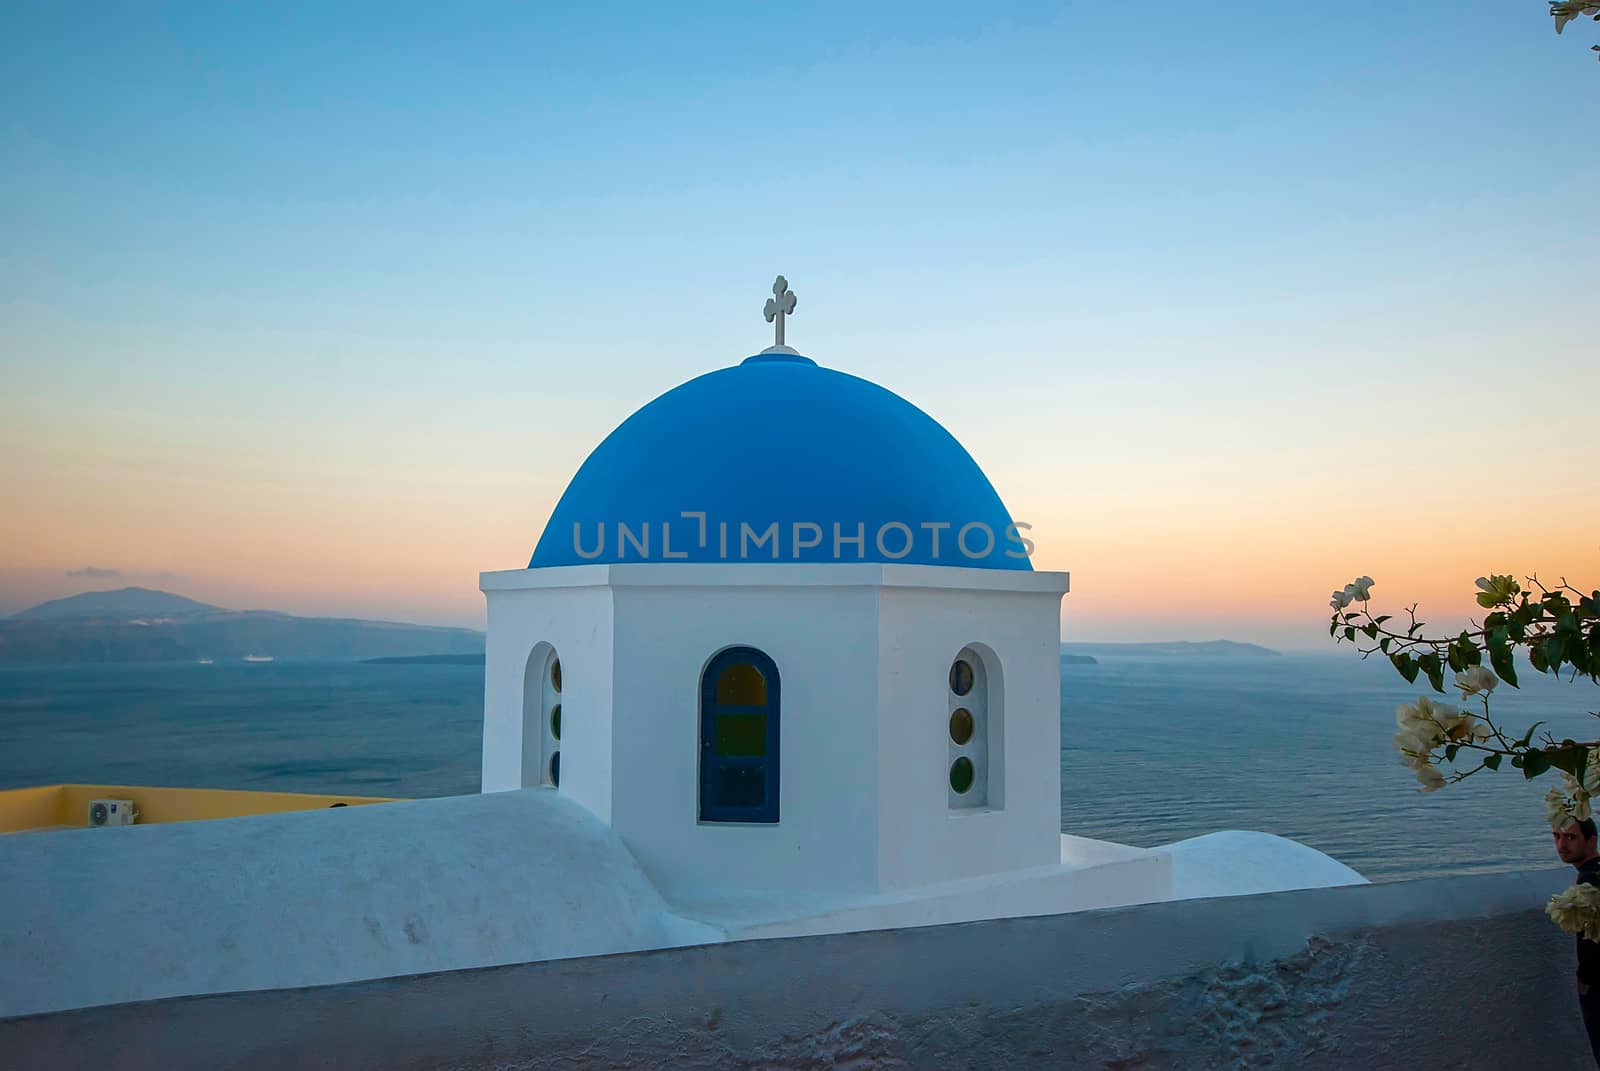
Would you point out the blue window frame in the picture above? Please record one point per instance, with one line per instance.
(739, 710)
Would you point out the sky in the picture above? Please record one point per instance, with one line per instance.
(318, 308)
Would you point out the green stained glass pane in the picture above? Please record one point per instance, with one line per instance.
(961, 775)
(742, 734)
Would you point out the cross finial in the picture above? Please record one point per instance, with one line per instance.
(779, 305)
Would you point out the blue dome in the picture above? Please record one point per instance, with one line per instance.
(781, 456)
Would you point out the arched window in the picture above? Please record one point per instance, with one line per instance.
(739, 703)
(541, 718)
(970, 721)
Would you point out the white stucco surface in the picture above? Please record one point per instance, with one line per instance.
(101, 916)
(863, 652)
(92, 917)
(1236, 863)
(1317, 979)
(921, 628)
(571, 614)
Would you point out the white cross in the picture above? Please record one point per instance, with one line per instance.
(779, 305)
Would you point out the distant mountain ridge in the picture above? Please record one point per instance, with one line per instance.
(144, 625)
(1173, 649)
(124, 604)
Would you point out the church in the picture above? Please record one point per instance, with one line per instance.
(779, 665)
(783, 637)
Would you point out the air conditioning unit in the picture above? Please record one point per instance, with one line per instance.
(112, 813)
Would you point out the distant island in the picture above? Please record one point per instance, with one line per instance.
(144, 625)
(1175, 649)
(426, 660)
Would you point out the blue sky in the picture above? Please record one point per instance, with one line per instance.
(266, 265)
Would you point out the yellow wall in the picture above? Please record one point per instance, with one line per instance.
(68, 805)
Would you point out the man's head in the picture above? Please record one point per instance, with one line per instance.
(1575, 841)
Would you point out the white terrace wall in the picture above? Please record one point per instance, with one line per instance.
(1444, 973)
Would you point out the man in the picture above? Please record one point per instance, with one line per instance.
(1575, 843)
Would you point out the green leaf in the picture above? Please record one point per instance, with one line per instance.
(1529, 734)
(1406, 666)
(1430, 665)
(1371, 631)
(1350, 632)
(1535, 763)
(1492, 762)
(1383, 644)
(1570, 759)
(1500, 660)
(1381, 618)
(1450, 752)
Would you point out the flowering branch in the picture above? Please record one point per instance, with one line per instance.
(1559, 628)
(1565, 12)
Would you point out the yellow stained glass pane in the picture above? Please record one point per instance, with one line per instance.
(961, 725)
(742, 685)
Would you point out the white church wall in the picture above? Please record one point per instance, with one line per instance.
(823, 640)
(863, 653)
(570, 611)
(921, 630)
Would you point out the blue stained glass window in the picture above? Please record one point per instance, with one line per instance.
(739, 721)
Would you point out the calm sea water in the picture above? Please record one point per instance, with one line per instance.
(1153, 750)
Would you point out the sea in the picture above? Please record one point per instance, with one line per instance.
(1154, 750)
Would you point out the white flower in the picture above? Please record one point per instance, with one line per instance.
(1432, 780)
(1573, 801)
(1577, 910)
(1496, 588)
(1411, 723)
(1360, 589)
(1415, 752)
(1556, 810)
(1564, 11)
(1341, 599)
(1432, 713)
(1425, 724)
(1589, 787)
(1476, 679)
